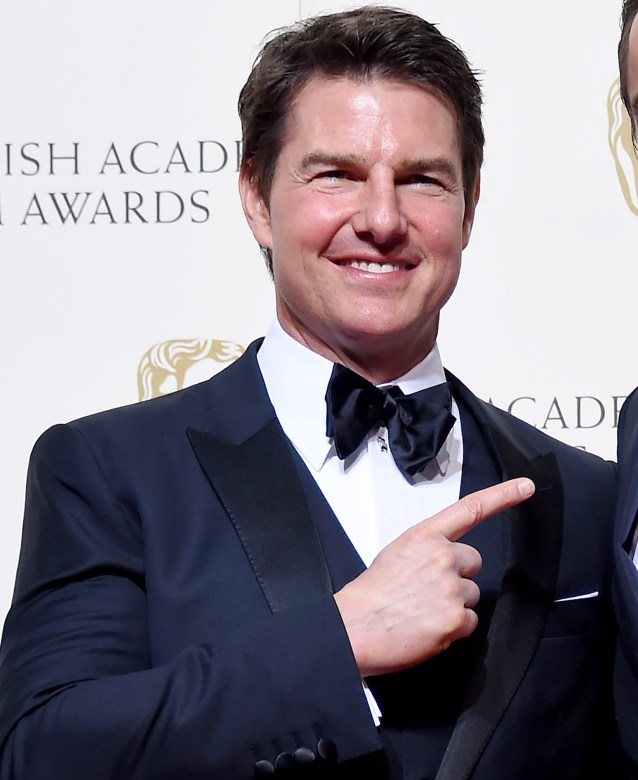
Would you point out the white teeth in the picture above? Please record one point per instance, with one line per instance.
(374, 268)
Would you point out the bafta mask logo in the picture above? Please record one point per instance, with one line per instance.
(172, 365)
(622, 148)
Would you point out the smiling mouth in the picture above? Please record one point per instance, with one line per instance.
(375, 268)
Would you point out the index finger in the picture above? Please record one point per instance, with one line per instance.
(471, 510)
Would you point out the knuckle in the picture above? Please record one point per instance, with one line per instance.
(445, 559)
(453, 590)
(472, 563)
(473, 507)
(415, 533)
(457, 617)
(470, 622)
(473, 594)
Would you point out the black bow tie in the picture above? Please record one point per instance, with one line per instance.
(418, 424)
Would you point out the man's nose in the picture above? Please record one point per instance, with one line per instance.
(380, 214)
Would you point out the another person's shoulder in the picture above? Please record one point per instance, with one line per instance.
(628, 420)
(628, 433)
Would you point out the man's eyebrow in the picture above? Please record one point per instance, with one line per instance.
(331, 160)
(429, 164)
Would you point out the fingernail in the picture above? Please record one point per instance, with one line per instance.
(526, 487)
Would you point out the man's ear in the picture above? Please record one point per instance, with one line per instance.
(255, 210)
(470, 210)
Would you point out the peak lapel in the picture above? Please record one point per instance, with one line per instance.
(526, 595)
(249, 464)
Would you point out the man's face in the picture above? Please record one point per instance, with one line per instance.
(631, 68)
(366, 220)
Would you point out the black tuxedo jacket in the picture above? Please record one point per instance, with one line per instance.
(626, 580)
(173, 615)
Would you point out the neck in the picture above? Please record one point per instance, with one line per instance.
(379, 363)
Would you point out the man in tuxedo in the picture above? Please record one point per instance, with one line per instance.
(625, 553)
(236, 580)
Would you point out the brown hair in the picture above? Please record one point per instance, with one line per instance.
(629, 10)
(368, 42)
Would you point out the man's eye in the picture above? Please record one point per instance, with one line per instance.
(335, 174)
(420, 178)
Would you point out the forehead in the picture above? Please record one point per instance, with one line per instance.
(368, 111)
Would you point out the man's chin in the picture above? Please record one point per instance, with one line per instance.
(386, 345)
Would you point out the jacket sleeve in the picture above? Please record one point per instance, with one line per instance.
(626, 587)
(627, 427)
(80, 695)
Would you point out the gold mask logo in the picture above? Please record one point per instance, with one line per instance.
(172, 365)
(622, 148)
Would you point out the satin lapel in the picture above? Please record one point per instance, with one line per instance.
(251, 469)
(526, 596)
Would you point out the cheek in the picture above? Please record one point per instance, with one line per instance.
(295, 227)
(309, 224)
(441, 231)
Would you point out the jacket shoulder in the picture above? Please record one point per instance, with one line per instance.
(532, 441)
(628, 427)
(226, 393)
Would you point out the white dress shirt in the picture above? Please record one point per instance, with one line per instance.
(370, 497)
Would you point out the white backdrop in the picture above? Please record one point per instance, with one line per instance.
(115, 104)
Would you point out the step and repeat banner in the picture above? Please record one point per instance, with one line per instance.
(128, 270)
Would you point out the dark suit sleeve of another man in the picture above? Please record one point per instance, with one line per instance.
(122, 657)
(626, 581)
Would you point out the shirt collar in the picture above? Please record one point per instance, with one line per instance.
(296, 379)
